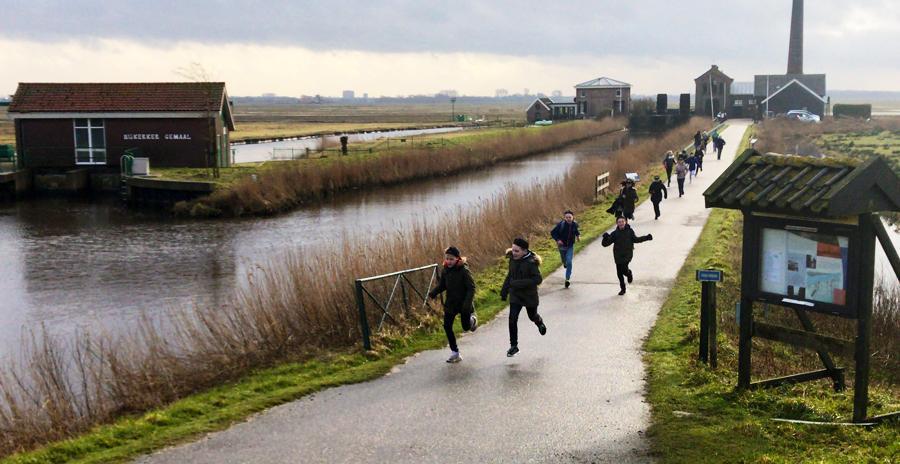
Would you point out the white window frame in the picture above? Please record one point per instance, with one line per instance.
(91, 150)
(619, 92)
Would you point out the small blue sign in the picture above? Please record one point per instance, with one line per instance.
(709, 275)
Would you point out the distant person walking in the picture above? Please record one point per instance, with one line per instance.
(700, 154)
(623, 239)
(704, 141)
(629, 198)
(457, 281)
(692, 167)
(669, 164)
(658, 191)
(566, 233)
(681, 171)
(520, 287)
(697, 139)
(718, 145)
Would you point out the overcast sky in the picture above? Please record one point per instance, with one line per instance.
(399, 47)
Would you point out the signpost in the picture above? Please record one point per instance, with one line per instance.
(708, 315)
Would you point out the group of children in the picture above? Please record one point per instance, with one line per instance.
(523, 277)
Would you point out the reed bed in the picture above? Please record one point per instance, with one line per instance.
(293, 183)
(300, 303)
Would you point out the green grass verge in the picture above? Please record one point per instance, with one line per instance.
(220, 407)
(697, 414)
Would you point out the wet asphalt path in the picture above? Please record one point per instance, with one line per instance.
(574, 395)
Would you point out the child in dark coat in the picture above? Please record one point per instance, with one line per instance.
(457, 281)
(520, 287)
(623, 240)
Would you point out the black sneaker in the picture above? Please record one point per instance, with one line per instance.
(567, 284)
(542, 328)
(474, 323)
(622, 292)
(630, 277)
(512, 351)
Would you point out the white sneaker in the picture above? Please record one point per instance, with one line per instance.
(474, 323)
(454, 357)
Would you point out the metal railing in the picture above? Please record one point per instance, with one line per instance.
(401, 282)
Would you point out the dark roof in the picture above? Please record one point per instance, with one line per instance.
(118, 97)
(806, 186)
(714, 70)
(774, 82)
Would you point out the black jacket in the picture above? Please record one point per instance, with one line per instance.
(657, 190)
(460, 287)
(669, 163)
(629, 197)
(565, 232)
(624, 241)
(522, 280)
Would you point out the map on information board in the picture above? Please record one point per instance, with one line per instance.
(804, 265)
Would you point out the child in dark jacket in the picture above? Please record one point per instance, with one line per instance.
(623, 239)
(566, 233)
(457, 281)
(520, 287)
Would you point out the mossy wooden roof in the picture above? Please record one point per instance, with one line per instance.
(805, 186)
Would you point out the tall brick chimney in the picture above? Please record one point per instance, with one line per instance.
(795, 49)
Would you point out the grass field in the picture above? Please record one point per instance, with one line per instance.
(7, 134)
(269, 121)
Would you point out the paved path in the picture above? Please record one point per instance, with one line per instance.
(574, 395)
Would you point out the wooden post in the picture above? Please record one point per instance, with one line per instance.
(712, 313)
(704, 323)
(749, 267)
(864, 318)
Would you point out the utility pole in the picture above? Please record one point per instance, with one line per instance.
(452, 109)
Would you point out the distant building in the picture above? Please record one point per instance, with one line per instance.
(348, 95)
(552, 109)
(65, 126)
(742, 101)
(711, 94)
(500, 93)
(780, 93)
(603, 97)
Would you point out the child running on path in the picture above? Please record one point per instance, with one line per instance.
(520, 287)
(623, 240)
(566, 233)
(457, 281)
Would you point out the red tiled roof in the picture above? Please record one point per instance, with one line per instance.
(115, 97)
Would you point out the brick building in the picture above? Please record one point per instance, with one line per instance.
(603, 97)
(64, 126)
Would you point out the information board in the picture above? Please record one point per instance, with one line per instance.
(804, 266)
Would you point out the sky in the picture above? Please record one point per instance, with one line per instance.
(405, 47)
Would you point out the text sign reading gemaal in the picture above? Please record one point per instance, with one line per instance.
(156, 137)
(709, 275)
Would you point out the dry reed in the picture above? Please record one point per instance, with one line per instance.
(294, 183)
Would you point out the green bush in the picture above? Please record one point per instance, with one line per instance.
(843, 110)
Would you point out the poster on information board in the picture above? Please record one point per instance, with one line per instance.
(805, 267)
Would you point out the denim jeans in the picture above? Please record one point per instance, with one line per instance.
(566, 254)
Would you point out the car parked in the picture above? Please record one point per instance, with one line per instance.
(803, 115)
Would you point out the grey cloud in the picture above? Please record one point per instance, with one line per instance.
(649, 28)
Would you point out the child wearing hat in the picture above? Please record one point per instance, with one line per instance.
(457, 281)
(520, 287)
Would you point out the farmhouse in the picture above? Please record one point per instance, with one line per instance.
(63, 126)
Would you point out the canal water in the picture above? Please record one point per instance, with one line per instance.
(72, 264)
(253, 152)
